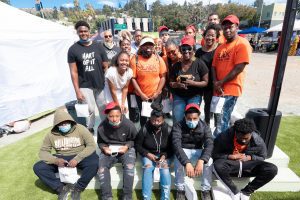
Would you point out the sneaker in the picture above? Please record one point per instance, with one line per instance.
(244, 196)
(63, 195)
(206, 195)
(235, 196)
(75, 194)
(180, 195)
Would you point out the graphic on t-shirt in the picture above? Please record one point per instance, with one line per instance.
(88, 61)
(67, 143)
(147, 67)
(224, 55)
(111, 54)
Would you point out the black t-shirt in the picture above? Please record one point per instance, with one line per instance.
(89, 64)
(207, 57)
(110, 53)
(198, 69)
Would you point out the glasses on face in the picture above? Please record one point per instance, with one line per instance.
(173, 52)
(186, 49)
(108, 36)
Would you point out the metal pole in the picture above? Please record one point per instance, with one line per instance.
(284, 45)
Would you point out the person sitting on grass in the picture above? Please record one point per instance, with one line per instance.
(116, 136)
(74, 147)
(155, 146)
(240, 152)
(193, 145)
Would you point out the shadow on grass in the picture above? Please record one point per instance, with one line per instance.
(38, 183)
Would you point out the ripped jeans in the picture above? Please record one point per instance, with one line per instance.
(147, 182)
(106, 162)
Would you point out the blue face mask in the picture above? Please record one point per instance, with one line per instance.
(114, 124)
(64, 128)
(84, 41)
(192, 124)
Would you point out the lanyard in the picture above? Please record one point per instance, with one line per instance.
(158, 145)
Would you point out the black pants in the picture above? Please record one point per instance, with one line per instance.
(133, 112)
(263, 172)
(46, 172)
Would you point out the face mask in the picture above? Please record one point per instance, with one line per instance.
(64, 128)
(191, 124)
(146, 53)
(114, 124)
(157, 126)
(84, 41)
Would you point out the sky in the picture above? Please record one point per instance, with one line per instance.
(115, 3)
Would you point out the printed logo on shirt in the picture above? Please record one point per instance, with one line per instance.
(111, 54)
(67, 143)
(147, 68)
(224, 55)
(88, 61)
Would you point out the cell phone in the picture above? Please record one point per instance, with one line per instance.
(182, 79)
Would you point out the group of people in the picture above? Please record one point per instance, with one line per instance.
(121, 78)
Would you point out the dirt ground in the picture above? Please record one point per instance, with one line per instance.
(258, 82)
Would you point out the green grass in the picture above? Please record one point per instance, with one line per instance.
(18, 182)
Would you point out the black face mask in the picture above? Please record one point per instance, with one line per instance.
(157, 126)
(145, 53)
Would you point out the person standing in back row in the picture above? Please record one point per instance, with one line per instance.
(228, 66)
(88, 62)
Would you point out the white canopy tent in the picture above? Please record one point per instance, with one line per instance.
(279, 27)
(34, 73)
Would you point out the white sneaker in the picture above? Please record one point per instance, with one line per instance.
(244, 197)
(235, 196)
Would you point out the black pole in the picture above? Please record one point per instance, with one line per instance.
(284, 45)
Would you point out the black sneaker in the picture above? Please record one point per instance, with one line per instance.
(206, 195)
(63, 195)
(180, 195)
(75, 194)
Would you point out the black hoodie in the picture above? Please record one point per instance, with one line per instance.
(124, 134)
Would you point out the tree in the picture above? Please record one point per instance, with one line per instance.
(6, 1)
(107, 10)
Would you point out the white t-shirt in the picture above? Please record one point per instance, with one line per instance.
(118, 81)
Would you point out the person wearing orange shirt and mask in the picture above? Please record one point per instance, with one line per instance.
(229, 62)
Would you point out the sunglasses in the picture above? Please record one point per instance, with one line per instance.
(108, 36)
(186, 49)
(171, 52)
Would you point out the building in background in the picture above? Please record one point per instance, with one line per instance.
(272, 14)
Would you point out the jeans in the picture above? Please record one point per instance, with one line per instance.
(263, 172)
(147, 182)
(224, 118)
(46, 172)
(106, 162)
(179, 104)
(91, 96)
(206, 177)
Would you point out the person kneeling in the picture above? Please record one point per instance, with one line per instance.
(116, 136)
(155, 146)
(240, 152)
(75, 147)
(193, 145)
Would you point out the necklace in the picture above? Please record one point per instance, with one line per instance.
(157, 145)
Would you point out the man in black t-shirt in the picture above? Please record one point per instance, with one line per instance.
(88, 62)
(110, 46)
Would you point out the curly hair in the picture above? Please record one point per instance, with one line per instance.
(81, 23)
(215, 27)
(244, 126)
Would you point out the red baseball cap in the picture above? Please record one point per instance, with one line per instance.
(192, 105)
(110, 106)
(161, 28)
(231, 18)
(188, 40)
(191, 27)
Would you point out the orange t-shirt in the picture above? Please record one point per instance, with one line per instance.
(226, 57)
(147, 72)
